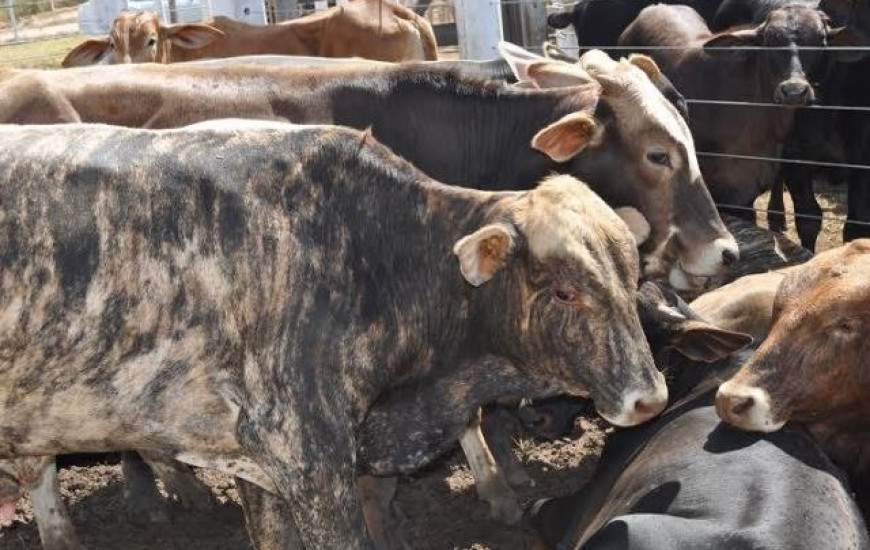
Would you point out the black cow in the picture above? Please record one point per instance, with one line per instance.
(240, 299)
(688, 481)
(815, 135)
(598, 23)
(703, 66)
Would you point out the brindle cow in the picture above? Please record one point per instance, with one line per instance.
(813, 367)
(456, 128)
(239, 300)
(372, 29)
(704, 66)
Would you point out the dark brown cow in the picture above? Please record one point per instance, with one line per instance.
(609, 126)
(814, 366)
(702, 65)
(372, 29)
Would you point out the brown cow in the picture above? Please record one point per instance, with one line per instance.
(703, 65)
(453, 127)
(372, 29)
(814, 367)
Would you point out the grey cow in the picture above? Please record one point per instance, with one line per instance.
(239, 299)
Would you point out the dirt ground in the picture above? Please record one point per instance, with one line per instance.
(439, 505)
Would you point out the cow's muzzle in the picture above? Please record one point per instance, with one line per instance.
(746, 407)
(638, 406)
(796, 92)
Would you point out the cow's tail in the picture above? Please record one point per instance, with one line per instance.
(427, 35)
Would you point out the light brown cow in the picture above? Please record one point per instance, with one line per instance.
(371, 29)
(814, 366)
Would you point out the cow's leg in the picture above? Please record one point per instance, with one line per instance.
(314, 471)
(268, 519)
(140, 491)
(378, 494)
(180, 481)
(858, 206)
(808, 212)
(56, 530)
(776, 206)
(496, 433)
(488, 479)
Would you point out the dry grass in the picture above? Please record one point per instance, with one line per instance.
(832, 200)
(39, 54)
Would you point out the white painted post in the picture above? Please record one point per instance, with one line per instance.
(478, 24)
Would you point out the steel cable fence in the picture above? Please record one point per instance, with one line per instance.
(57, 53)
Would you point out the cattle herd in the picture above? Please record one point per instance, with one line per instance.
(315, 258)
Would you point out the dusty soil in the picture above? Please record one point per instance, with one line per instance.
(439, 505)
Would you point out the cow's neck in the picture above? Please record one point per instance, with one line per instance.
(847, 442)
(455, 131)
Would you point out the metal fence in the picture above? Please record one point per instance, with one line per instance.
(521, 21)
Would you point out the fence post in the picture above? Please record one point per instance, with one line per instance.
(478, 24)
(10, 6)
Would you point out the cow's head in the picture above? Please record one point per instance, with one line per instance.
(669, 325)
(140, 37)
(635, 149)
(783, 69)
(562, 305)
(815, 363)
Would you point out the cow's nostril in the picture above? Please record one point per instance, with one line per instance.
(644, 407)
(741, 405)
(729, 257)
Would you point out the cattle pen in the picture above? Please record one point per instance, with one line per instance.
(439, 507)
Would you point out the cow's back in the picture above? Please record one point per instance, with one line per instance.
(141, 270)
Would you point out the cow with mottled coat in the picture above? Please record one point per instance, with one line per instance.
(194, 299)
(456, 128)
(813, 367)
(371, 29)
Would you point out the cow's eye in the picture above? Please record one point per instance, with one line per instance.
(152, 42)
(848, 327)
(660, 158)
(566, 295)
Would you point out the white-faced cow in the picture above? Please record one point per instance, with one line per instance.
(240, 299)
(814, 366)
(687, 481)
(371, 29)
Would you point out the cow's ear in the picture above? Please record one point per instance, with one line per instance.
(565, 138)
(549, 73)
(191, 36)
(518, 59)
(646, 64)
(560, 20)
(89, 52)
(845, 37)
(484, 252)
(701, 341)
(636, 222)
(724, 44)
